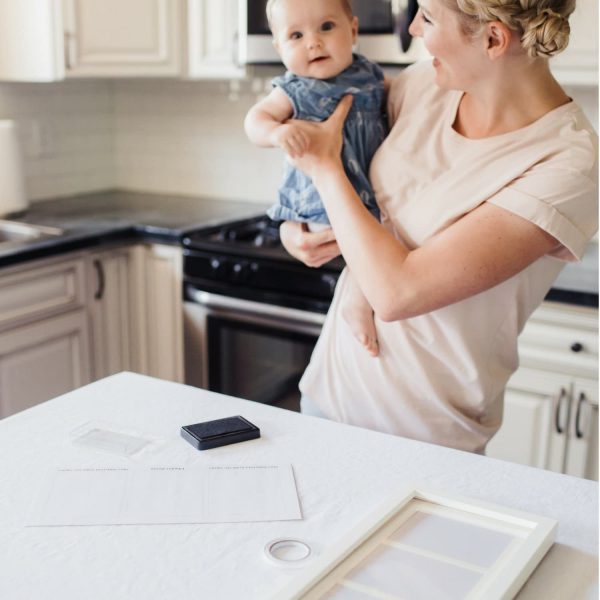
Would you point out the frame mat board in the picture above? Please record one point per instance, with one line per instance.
(418, 529)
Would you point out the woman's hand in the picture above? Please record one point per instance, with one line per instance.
(291, 138)
(325, 141)
(313, 249)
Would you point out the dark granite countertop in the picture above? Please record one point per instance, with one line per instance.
(89, 220)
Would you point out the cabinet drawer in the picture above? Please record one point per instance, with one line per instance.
(37, 292)
(561, 338)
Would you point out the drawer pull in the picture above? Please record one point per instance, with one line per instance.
(578, 430)
(100, 272)
(559, 403)
(576, 347)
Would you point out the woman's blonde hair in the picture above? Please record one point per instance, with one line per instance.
(543, 25)
(345, 5)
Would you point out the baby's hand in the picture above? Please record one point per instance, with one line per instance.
(292, 139)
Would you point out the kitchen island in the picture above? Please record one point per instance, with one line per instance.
(342, 473)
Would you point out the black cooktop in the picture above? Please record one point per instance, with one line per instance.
(250, 238)
(246, 259)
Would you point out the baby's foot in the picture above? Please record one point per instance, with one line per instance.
(361, 323)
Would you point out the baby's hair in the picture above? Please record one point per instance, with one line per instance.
(345, 4)
(543, 25)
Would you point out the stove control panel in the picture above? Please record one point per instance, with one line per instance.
(201, 268)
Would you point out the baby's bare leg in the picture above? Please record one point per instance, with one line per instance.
(358, 313)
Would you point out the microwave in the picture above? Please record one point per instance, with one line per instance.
(382, 32)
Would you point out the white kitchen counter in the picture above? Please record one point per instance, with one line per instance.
(342, 474)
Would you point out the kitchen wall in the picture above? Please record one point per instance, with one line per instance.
(67, 133)
(188, 138)
(163, 136)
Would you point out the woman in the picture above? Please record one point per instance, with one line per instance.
(486, 185)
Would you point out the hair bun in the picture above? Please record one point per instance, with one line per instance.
(546, 33)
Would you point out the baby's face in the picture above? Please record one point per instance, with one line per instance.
(313, 37)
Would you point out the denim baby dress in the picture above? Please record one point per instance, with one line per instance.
(364, 130)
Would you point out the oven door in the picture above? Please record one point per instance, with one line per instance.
(382, 25)
(248, 349)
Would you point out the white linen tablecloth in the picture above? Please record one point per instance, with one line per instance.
(342, 474)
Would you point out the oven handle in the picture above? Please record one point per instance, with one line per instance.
(210, 300)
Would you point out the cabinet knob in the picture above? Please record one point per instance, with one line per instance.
(576, 347)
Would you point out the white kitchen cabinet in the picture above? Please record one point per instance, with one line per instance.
(44, 332)
(581, 460)
(136, 311)
(213, 39)
(32, 40)
(159, 311)
(118, 38)
(111, 306)
(109, 38)
(550, 411)
(46, 40)
(43, 360)
(69, 320)
(578, 64)
(535, 404)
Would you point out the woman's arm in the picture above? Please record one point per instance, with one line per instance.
(480, 250)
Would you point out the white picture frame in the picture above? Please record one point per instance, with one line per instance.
(466, 549)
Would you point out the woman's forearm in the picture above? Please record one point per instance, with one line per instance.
(374, 255)
(482, 249)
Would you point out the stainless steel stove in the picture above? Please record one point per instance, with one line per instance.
(253, 312)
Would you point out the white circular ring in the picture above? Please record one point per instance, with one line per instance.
(281, 543)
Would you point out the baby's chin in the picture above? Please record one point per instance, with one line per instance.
(323, 68)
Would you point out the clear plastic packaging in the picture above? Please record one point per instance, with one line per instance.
(106, 437)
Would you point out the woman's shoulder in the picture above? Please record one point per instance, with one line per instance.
(416, 86)
(565, 136)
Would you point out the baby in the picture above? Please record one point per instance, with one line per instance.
(314, 39)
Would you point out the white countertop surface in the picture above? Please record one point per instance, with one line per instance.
(342, 474)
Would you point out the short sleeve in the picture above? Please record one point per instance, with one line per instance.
(414, 80)
(561, 201)
(291, 86)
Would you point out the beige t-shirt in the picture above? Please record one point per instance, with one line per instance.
(440, 377)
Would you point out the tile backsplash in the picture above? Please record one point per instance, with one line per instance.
(188, 138)
(67, 134)
(151, 135)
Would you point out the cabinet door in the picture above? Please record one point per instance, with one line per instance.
(32, 40)
(213, 39)
(43, 360)
(122, 37)
(534, 427)
(561, 338)
(111, 304)
(160, 312)
(582, 447)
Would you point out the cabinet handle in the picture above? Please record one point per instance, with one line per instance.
(67, 49)
(559, 402)
(578, 430)
(100, 272)
(576, 347)
(235, 50)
